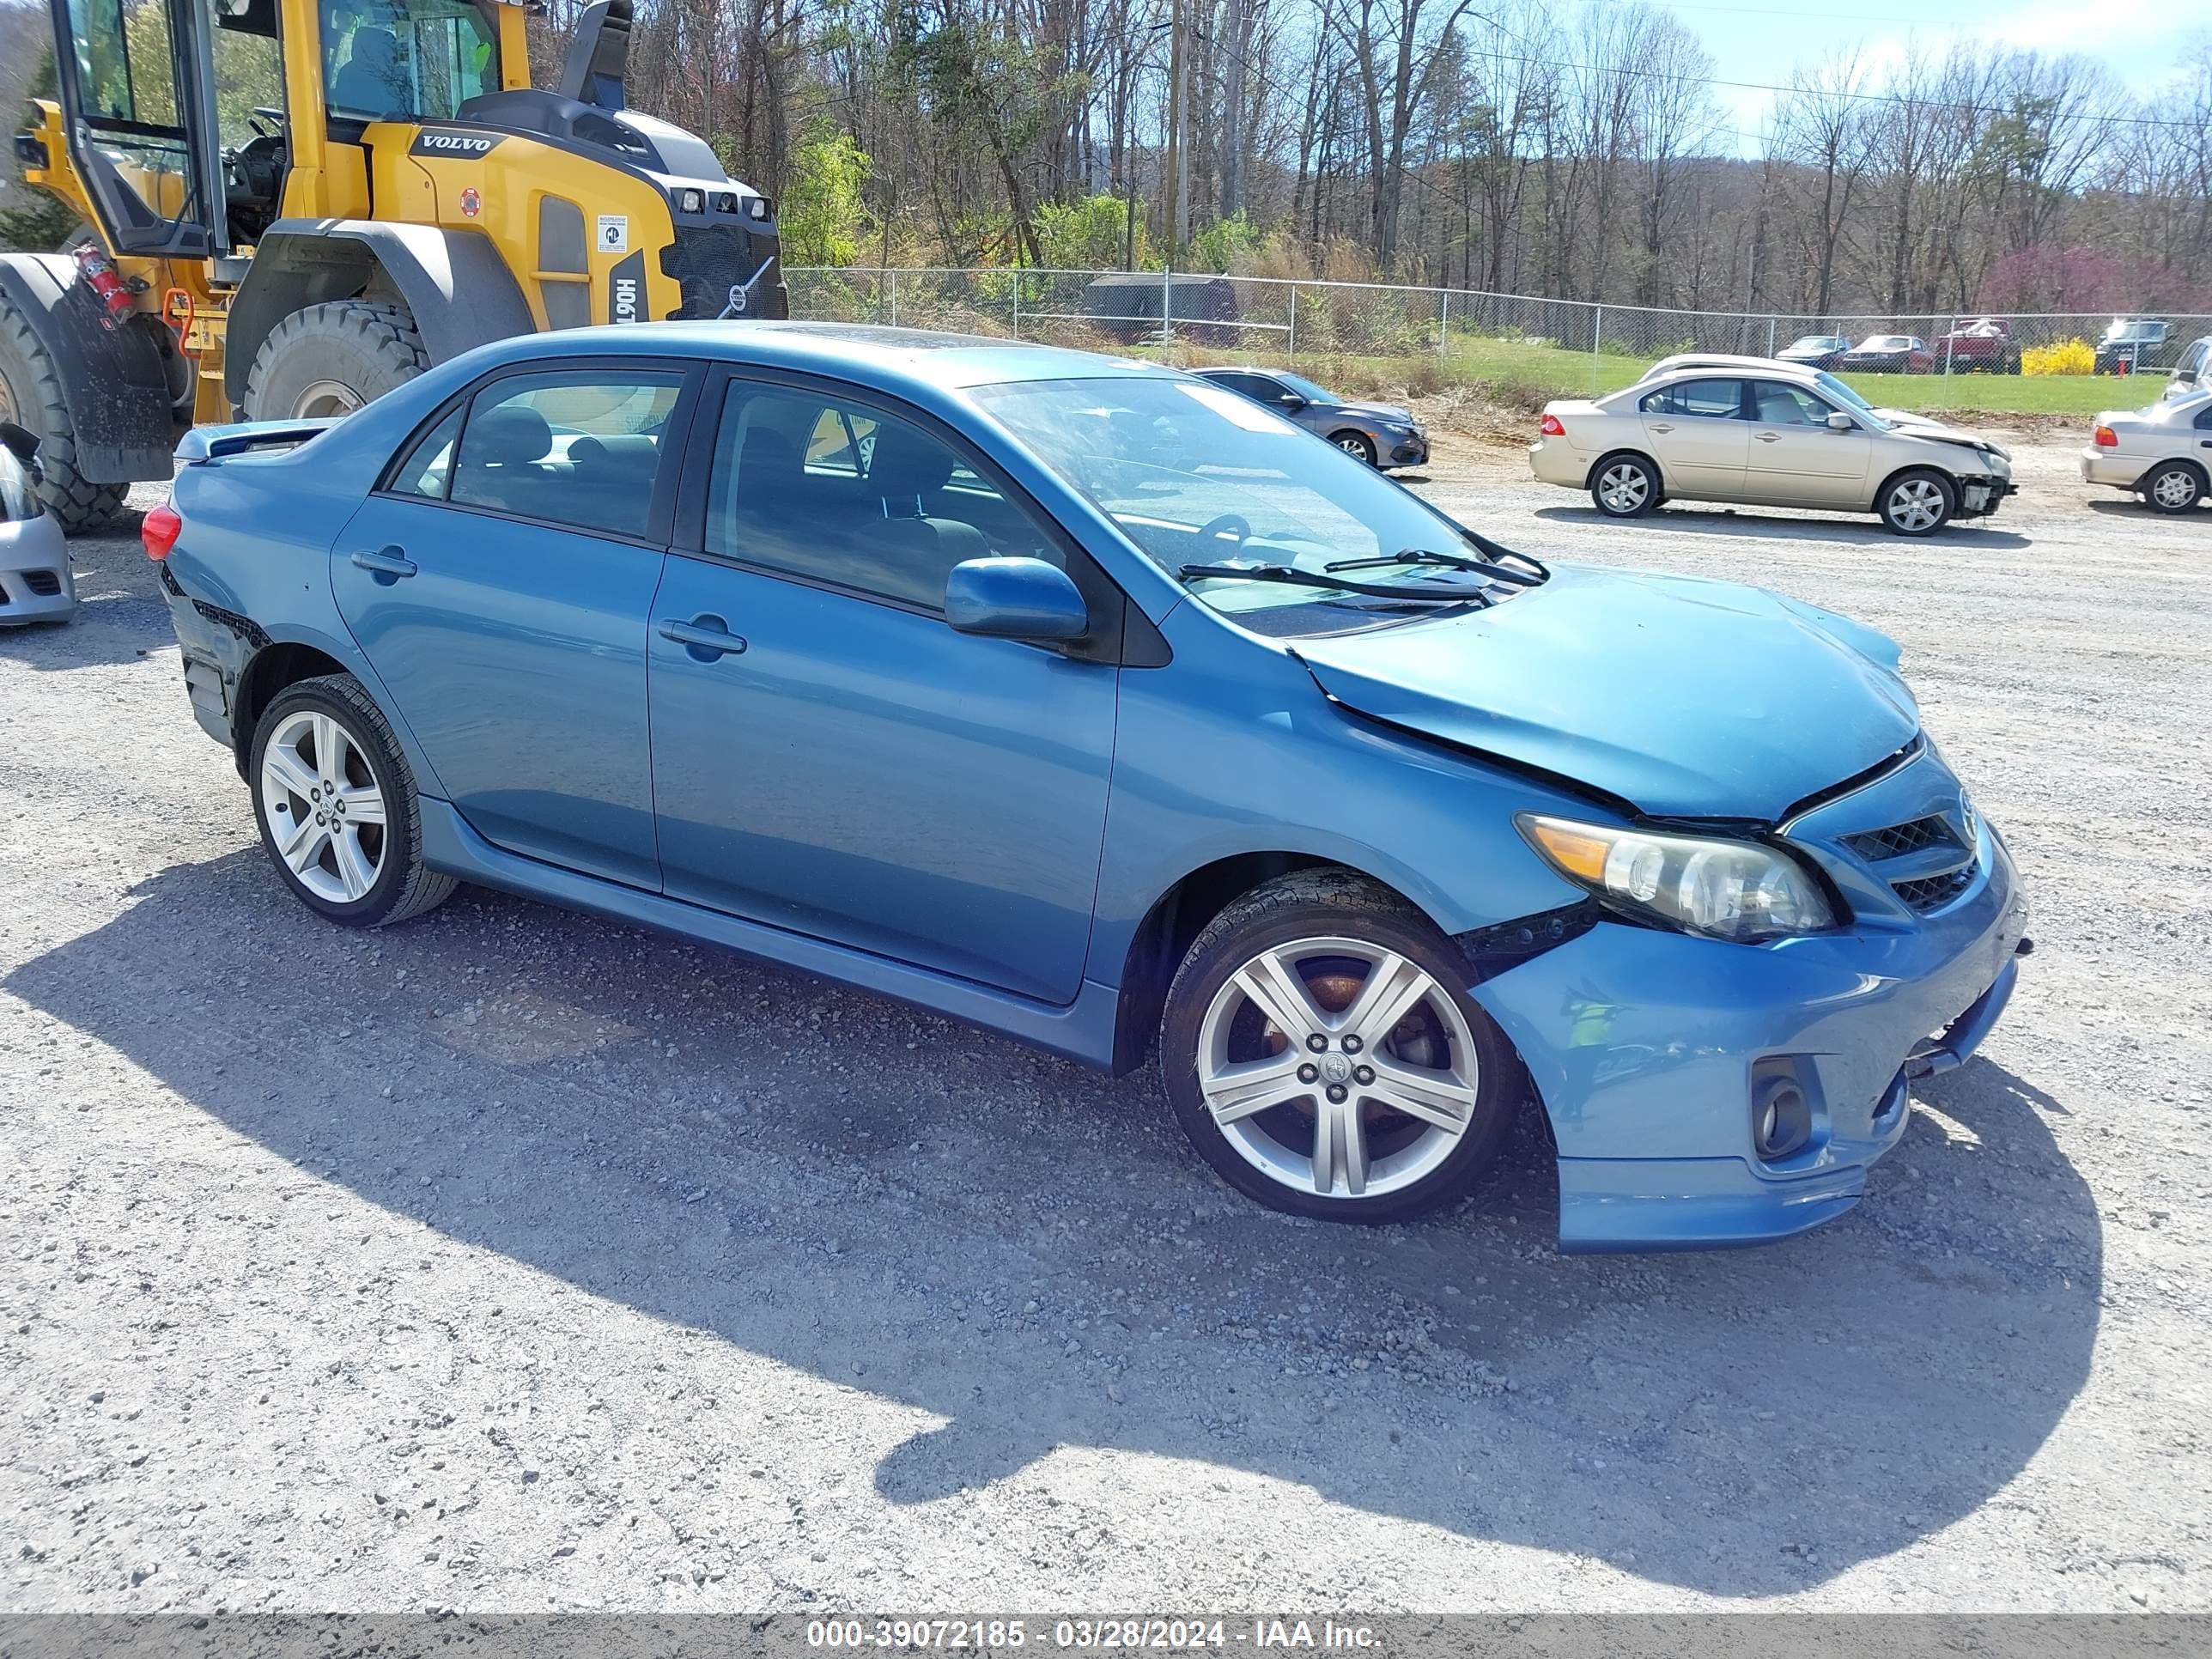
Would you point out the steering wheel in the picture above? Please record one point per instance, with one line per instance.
(267, 122)
(1214, 529)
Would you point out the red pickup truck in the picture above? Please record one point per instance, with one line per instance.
(1985, 344)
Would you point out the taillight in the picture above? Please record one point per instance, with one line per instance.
(1551, 427)
(160, 531)
(2106, 438)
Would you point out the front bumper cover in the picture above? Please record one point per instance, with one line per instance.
(1642, 1044)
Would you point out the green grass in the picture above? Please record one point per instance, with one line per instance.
(1524, 376)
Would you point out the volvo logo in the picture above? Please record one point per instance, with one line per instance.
(461, 146)
(737, 304)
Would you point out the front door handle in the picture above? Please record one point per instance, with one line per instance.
(707, 638)
(389, 562)
(1770, 437)
(1656, 426)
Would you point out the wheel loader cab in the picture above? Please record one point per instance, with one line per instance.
(307, 201)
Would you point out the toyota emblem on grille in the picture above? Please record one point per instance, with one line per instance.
(1967, 823)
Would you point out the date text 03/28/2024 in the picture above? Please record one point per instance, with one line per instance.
(1127, 1632)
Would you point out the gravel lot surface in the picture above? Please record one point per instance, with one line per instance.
(511, 1260)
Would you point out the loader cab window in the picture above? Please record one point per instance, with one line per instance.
(422, 59)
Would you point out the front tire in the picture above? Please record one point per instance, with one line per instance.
(2175, 487)
(1917, 503)
(1354, 444)
(336, 802)
(1321, 1053)
(1624, 486)
(325, 362)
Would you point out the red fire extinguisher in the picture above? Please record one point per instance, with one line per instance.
(101, 275)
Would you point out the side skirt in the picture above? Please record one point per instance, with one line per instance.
(1083, 1030)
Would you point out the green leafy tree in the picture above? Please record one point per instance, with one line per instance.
(1087, 234)
(822, 216)
(38, 222)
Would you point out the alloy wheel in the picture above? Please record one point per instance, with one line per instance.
(326, 811)
(1624, 487)
(1917, 504)
(1338, 1067)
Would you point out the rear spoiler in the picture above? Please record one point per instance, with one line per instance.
(212, 443)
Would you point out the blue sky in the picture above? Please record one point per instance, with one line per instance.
(2139, 40)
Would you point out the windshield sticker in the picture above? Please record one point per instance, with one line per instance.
(614, 232)
(1233, 406)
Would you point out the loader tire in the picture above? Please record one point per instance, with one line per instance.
(330, 359)
(31, 396)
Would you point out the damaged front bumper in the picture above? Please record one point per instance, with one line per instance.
(1650, 1051)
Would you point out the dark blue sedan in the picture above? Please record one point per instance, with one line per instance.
(1097, 704)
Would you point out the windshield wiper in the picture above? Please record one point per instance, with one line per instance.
(1455, 562)
(1294, 576)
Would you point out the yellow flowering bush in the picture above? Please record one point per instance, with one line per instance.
(2067, 357)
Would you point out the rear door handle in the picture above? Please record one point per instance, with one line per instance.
(707, 638)
(391, 563)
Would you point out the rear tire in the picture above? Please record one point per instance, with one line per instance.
(1919, 502)
(31, 396)
(2174, 487)
(349, 867)
(1238, 1078)
(1624, 485)
(329, 360)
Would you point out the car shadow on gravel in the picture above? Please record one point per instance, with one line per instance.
(1720, 521)
(121, 613)
(1022, 1248)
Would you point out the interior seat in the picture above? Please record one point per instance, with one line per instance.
(500, 452)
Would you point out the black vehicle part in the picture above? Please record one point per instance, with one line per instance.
(367, 348)
(97, 398)
(455, 287)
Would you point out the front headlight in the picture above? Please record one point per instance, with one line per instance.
(1723, 889)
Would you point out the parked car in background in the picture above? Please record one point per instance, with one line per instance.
(833, 644)
(2192, 369)
(1778, 437)
(1815, 350)
(2131, 345)
(1381, 434)
(1830, 385)
(35, 585)
(1984, 346)
(1886, 354)
(2162, 453)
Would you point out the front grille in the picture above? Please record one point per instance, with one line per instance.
(1875, 845)
(44, 583)
(1934, 892)
(710, 261)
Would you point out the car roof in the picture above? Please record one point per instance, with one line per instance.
(1685, 360)
(890, 359)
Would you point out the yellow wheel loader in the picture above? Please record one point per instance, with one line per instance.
(291, 206)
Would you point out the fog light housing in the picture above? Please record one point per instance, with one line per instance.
(1781, 1118)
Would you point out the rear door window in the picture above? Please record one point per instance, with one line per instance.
(582, 450)
(1718, 400)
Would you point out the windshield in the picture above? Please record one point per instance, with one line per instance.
(1843, 395)
(1194, 473)
(418, 57)
(1305, 388)
(1814, 343)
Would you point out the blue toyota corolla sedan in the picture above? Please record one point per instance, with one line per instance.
(1097, 704)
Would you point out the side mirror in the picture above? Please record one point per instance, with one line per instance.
(1839, 421)
(21, 442)
(1014, 599)
(1293, 402)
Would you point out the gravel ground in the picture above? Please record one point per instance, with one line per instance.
(513, 1259)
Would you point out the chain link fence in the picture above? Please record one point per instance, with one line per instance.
(1285, 320)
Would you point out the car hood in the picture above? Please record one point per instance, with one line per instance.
(1686, 698)
(1380, 412)
(1935, 432)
